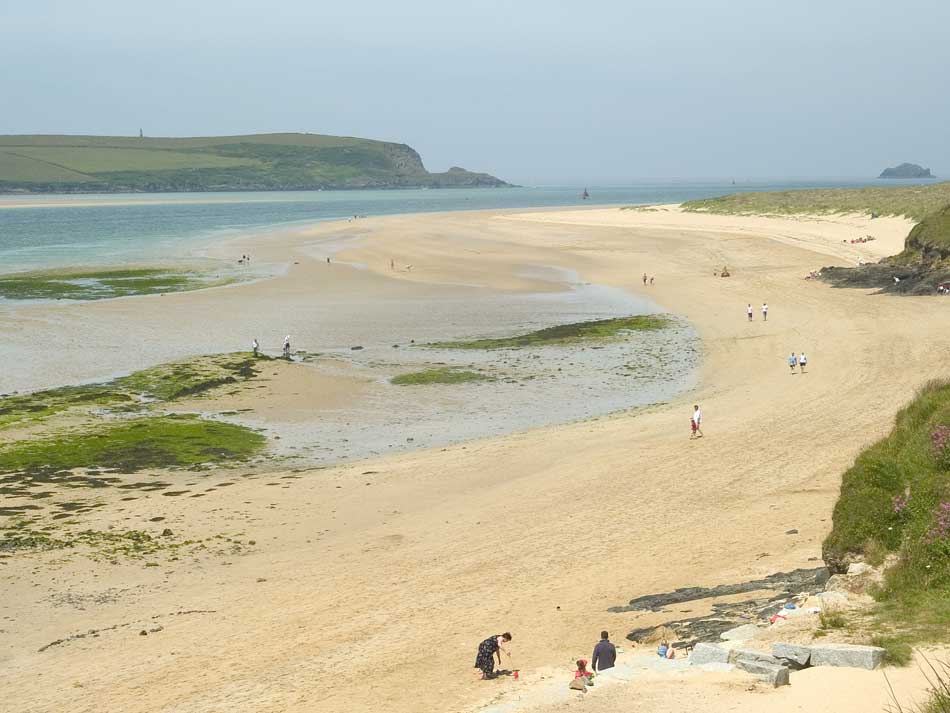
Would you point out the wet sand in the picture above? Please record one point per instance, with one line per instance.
(370, 584)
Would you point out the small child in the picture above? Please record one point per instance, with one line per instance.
(582, 671)
(665, 651)
(694, 427)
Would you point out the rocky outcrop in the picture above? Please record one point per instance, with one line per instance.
(848, 655)
(773, 674)
(906, 170)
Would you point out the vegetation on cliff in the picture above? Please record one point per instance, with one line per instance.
(895, 500)
(91, 164)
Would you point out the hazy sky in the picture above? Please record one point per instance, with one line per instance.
(588, 91)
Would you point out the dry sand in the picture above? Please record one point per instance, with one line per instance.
(370, 585)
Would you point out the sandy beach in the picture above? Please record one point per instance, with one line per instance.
(367, 586)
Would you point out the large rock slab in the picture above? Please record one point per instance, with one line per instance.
(708, 653)
(847, 655)
(795, 655)
(770, 673)
(749, 655)
(740, 633)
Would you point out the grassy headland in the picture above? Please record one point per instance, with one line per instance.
(101, 284)
(573, 333)
(438, 375)
(895, 500)
(916, 202)
(91, 164)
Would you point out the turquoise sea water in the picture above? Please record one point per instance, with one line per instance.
(86, 230)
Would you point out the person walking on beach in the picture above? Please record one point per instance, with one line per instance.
(255, 347)
(605, 654)
(697, 423)
(765, 312)
(652, 278)
(644, 279)
(748, 311)
(802, 361)
(792, 362)
(487, 651)
(287, 347)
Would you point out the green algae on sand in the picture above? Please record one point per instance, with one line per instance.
(102, 284)
(563, 334)
(438, 375)
(138, 444)
(165, 382)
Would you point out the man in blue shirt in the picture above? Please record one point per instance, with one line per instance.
(605, 654)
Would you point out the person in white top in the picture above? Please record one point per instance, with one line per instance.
(255, 346)
(748, 311)
(765, 312)
(697, 423)
(802, 361)
(287, 347)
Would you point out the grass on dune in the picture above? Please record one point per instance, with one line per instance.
(563, 334)
(895, 500)
(438, 375)
(916, 201)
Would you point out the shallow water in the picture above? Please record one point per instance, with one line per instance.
(119, 229)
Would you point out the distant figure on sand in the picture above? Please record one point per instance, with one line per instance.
(802, 361)
(487, 651)
(287, 347)
(328, 260)
(582, 671)
(644, 279)
(652, 278)
(605, 654)
(696, 423)
(255, 347)
(765, 312)
(392, 264)
(792, 362)
(748, 311)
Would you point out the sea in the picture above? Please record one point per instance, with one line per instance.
(54, 231)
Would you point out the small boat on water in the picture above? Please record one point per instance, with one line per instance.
(585, 195)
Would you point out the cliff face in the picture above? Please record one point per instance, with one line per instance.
(70, 164)
(906, 170)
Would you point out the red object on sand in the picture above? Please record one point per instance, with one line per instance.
(515, 673)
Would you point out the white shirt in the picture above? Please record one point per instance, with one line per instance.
(765, 308)
(697, 416)
(749, 309)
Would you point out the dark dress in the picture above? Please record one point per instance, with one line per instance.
(486, 656)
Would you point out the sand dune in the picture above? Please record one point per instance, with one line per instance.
(371, 584)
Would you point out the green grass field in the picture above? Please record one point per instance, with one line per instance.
(252, 162)
(915, 202)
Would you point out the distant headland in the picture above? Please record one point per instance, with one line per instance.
(256, 162)
(906, 170)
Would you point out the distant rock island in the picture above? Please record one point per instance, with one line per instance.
(906, 170)
(257, 162)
